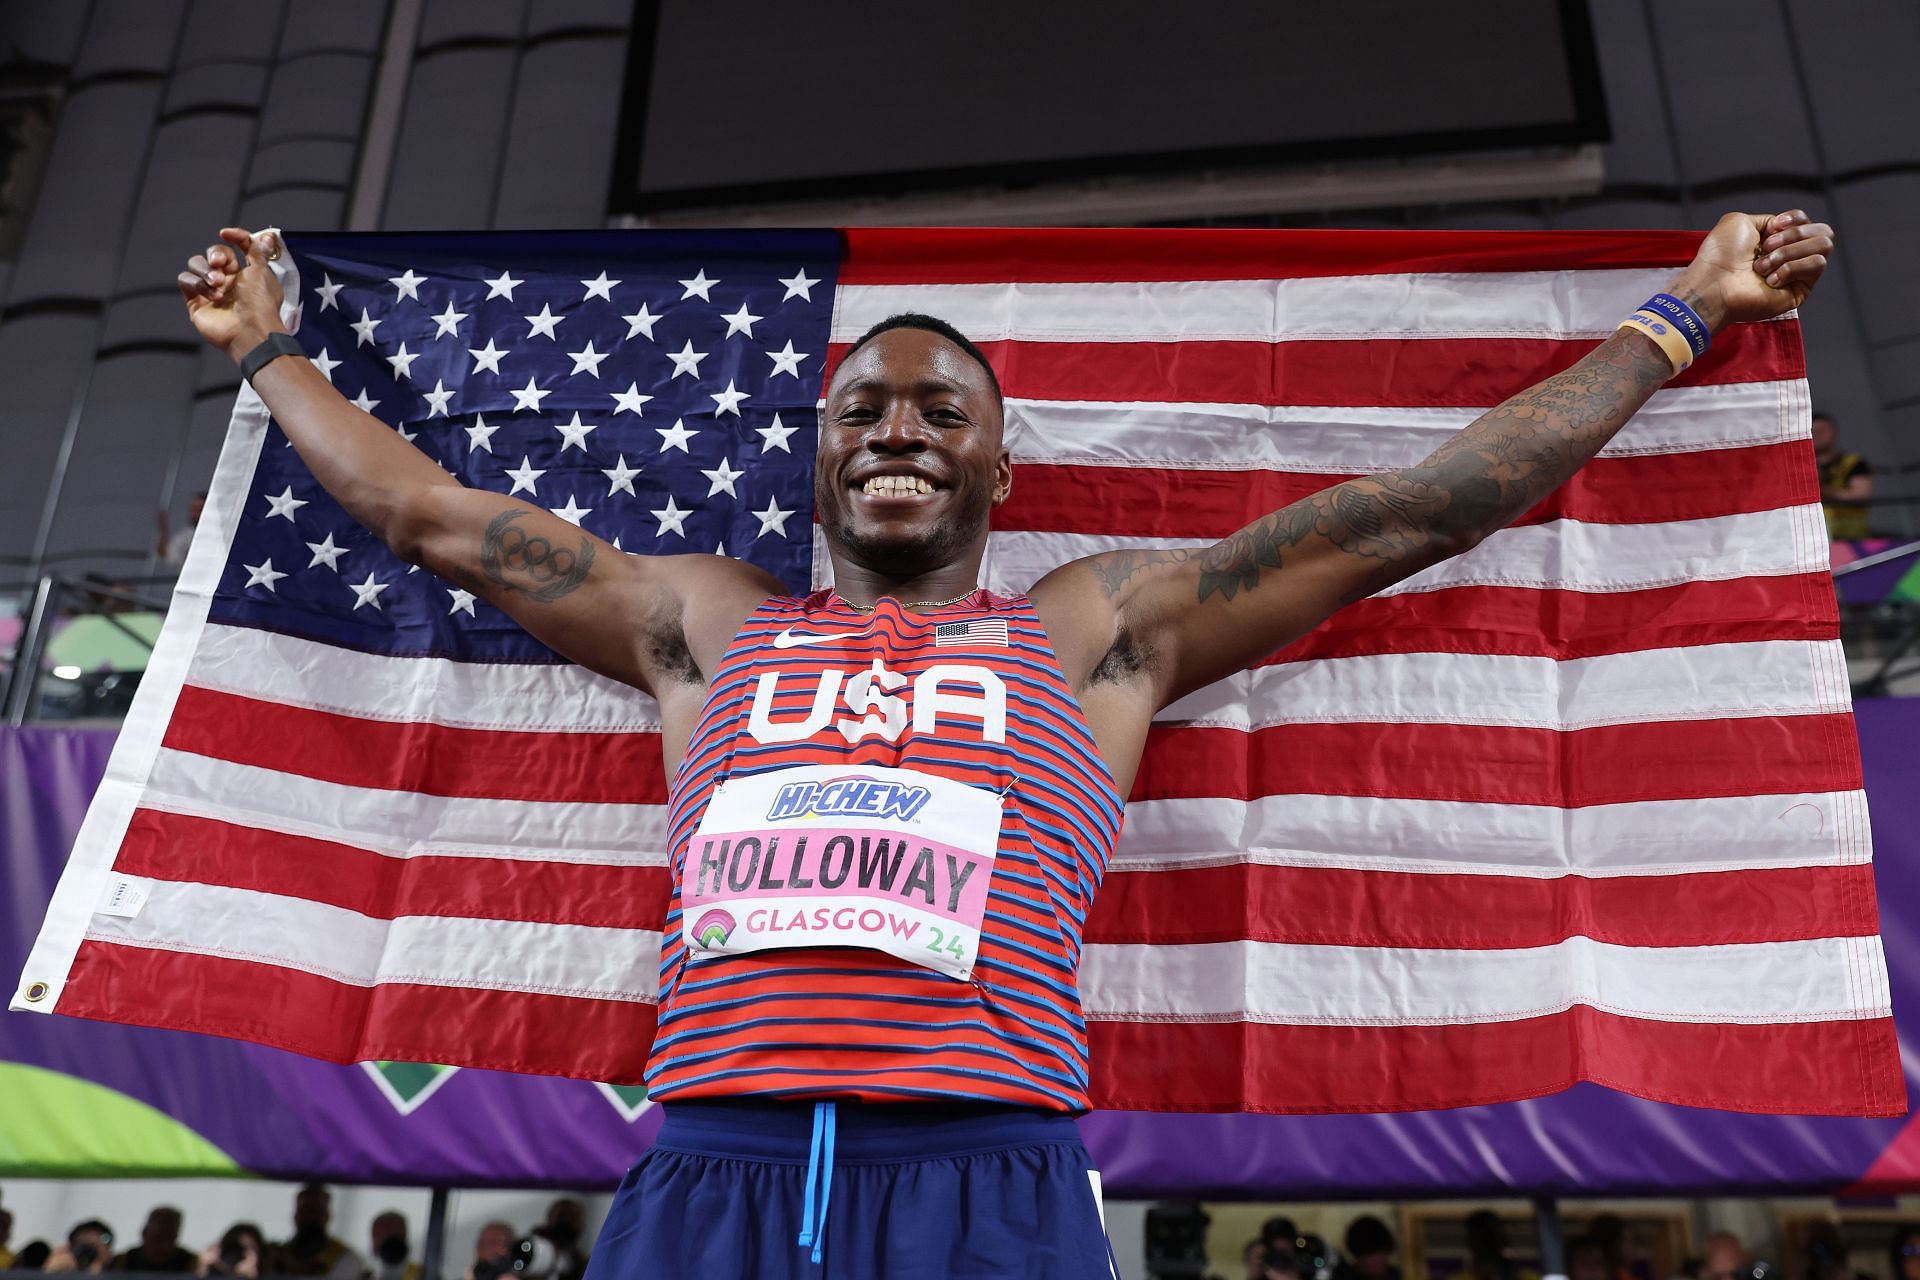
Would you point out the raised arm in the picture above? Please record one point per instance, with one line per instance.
(1167, 622)
(655, 622)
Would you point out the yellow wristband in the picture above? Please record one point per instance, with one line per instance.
(1664, 335)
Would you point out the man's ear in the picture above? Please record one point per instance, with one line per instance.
(1003, 476)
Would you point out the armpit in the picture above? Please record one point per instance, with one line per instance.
(1128, 659)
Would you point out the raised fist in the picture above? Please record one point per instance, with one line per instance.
(232, 295)
(1758, 265)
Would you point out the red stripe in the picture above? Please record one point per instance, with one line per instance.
(1171, 502)
(542, 1034)
(887, 255)
(1612, 764)
(1545, 623)
(592, 768)
(171, 846)
(1383, 372)
(1344, 907)
(1813, 1068)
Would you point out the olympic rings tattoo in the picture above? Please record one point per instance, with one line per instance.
(542, 571)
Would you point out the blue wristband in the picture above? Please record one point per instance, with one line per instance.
(1685, 320)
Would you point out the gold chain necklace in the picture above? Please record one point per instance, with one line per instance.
(906, 604)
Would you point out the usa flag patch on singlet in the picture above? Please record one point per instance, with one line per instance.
(980, 631)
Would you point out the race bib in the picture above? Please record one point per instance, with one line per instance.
(891, 860)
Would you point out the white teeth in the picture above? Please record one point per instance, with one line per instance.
(894, 485)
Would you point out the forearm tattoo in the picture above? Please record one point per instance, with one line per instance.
(532, 565)
(1475, 483)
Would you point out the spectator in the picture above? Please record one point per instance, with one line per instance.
(33, 1256)
(238, 1252)
(566, 1224)
(390, 1249)
(1826, 1256)
(6, 1237)
(311, 1251)
(1903, 1253)
(1282, 1239)
(1609, 1231)
(1586, 1260)
(492, 1251)
(1369, 1244)
(1846, 481)
(1264, 1262)
(1487, 1250)
(159, 1248)
(1723, 1257)
(88, 1249)
(172, 548)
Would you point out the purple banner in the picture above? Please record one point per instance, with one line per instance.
(271, 1113)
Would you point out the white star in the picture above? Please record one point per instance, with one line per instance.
(728, 401)
(571, 513)
(524, 477)
(364, 402)
(686, 360)
(740, 321)
(599, 287)
(367, 592)
(528, 397)
(787, 361)
(437, 399)
(284, 504)
(263, 575)
(698, 285)
(676, 436)
(448, 321)
(722, 478)
(328, 292)
(544, 323)
(629, 401)
(775, 436)
(720, 548)
(573, 435)
(402, 362)
(364, 327)
(324, 552)
(588, 360)
(772, 519)
(672, 516)
(620, 476)
(325, 363)
(408, 436)
(406, 286)
(462, 602)
(641, 321)
(503, 286)
(799, 285)
(480, 435)
(487, 357)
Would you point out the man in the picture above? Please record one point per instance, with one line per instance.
(1369, 1244)
(387, 1238)
(1846, 481)
(830, 1082)
(89, 1248)
(6, 1238)
(492, 1251)
(172, 548)
(159, 1248)
(1723, 1256)
(310, 1250)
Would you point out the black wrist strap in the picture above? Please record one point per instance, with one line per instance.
(276, 345)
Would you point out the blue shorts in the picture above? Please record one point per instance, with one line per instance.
(847, 1191)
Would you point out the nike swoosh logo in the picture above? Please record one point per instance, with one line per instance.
(790, 639)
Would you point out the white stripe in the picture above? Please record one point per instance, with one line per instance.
(405, 824)
(1804, 981)
(1334, 440)
(1454, 837)
(1563, 554)
(445, 951)
(547, 697)
(1479, 304)
(1709, 681)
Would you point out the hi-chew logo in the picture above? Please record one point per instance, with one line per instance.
(714, 928)
(855, 795)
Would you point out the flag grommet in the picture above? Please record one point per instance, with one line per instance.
(36, 993)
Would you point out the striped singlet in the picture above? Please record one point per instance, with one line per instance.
(840, 1022)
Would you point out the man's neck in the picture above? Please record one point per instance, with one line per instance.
(862, 586)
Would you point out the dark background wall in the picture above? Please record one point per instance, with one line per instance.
(170, 118)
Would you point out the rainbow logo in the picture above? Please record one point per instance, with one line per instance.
(714, 928)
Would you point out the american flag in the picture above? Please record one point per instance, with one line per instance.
(1584, 804)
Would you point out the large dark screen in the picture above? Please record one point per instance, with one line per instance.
(758, 98)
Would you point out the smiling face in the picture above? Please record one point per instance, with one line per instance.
(911, 457)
